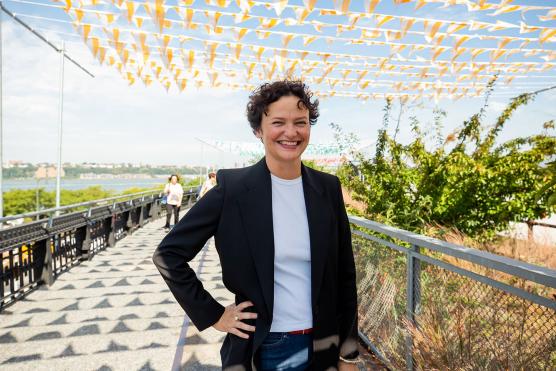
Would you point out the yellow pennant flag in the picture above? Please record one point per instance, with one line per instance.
(431, 28)
(279, 6)
(302, 55)
(291, 69)
(268, 23)
(309, 4)
(182, 84)
(249, 69)
(550, 16)
(261, 35)
(405, 25)
(138, 21)
(245, 5)
(157, 11)
(546, 34)
(502, 43)
(382, 19)
(523, 28)
(286, 39)
(455, 27)
(506, 9)
(501, 26)
(212, 17)
(456, 53)
(342, 6)
(130, 10)
(258, 50)
(370, 5)
(317, 25)
(361, 74)
(269, 71)
(236, 49)
(188, 57)
(130, 78)
(211, 52)
(84, 30)
(101, 54)
(437, 51)
(212, 76)
(370, 34)
(220, 3)
(460, 40)
(476, 52)
(308, 39)
(239, 33)
(301, 14)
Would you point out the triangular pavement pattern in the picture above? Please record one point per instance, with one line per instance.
(106, 314)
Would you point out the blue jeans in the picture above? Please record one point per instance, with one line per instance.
(281, 351)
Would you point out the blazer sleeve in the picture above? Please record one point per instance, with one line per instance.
(347, 285)
(180, 246)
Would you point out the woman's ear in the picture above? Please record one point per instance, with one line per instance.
(258, 133)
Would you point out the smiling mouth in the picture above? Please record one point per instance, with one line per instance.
(289, 143)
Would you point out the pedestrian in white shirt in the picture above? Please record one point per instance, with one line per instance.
(174, 195)
(209, 184)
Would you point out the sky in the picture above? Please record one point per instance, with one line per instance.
(106, 120)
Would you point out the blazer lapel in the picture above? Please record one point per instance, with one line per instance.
(319, 217)
(256, 212)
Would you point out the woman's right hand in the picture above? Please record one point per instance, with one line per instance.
(231, 320)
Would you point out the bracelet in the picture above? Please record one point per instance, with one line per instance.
(350, 360)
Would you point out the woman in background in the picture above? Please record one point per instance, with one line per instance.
(174, 195)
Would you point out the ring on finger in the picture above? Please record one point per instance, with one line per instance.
(236, 318)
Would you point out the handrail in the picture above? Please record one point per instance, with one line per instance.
(72, 206)
(531, 272)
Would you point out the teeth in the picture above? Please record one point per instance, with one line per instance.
(288, 143)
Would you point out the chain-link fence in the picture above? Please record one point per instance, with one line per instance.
(426, 304)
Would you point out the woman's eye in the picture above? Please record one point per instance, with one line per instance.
(301, 123)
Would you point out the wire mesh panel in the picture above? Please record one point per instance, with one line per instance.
(466, 324)
(381, 277)
(462, 309)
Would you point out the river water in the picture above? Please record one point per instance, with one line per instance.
(117, 185)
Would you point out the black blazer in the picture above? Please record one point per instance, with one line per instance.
(238, 213)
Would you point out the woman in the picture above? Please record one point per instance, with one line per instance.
(174, 195)
(208, 184)
(284, 242)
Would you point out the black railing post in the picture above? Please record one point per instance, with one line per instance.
(112, 231)
(129, 223)
(141, 211)
(80, 238)
(413, 299)
(153, 212)
(42, 256)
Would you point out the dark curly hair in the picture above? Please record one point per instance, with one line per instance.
(268, 93)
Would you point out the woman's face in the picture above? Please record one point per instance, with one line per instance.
(174, 180)
(285, 130)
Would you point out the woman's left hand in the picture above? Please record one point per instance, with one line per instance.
(344, 366)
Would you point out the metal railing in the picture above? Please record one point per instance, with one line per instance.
(430, 304)
(37, 252)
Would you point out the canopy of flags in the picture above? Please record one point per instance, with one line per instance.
(341, 47)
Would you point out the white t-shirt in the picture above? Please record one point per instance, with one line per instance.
(292, 257)
(174, 192)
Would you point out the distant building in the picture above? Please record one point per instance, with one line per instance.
(47, 172)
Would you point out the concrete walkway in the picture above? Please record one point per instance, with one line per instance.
(112, 313)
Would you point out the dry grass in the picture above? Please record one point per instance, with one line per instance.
(524, 250)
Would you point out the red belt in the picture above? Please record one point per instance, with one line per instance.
(301, 332)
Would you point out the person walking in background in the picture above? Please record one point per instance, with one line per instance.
(174, 195)
(209, 184)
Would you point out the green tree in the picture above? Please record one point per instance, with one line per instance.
(476, 186)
